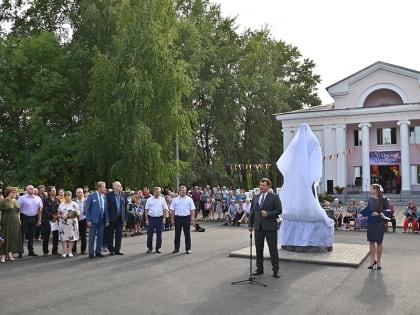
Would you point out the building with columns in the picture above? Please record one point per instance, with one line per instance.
(370, 134)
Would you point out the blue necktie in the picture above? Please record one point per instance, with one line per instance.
(101, 205)
(118, 198)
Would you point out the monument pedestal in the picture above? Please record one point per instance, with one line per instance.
(307, 249)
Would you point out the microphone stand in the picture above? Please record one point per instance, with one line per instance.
(251, 278)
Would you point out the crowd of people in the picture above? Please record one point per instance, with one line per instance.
(102, 217)
(105, 215)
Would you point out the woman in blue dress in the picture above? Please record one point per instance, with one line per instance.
(376, 225)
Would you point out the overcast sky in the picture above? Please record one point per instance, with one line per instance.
(341, 37)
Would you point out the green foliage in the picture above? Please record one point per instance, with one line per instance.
(37, 123)
(136, 78)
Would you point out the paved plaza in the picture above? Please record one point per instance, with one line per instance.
(200, 283)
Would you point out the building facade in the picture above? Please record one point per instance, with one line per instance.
(370, 134)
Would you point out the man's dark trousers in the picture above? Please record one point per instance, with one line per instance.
(155, 224)
(28, 225)
(182, 223)
(114, 229)
(271, 237)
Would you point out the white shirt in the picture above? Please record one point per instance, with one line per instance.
(29, 205)
(81, 204)
(182, 205)
(155, 206)
(246, 207)
(261, 198)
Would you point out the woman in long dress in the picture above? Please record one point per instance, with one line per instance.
(10, 225)
(68, 226)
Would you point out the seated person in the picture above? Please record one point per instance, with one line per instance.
(359, 221)
(239, 215)
(411, 217)
(390, 214)
(246, 206)
(230, 215)
(350, 215)
(338, 213)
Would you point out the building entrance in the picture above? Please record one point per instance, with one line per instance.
(385, 175)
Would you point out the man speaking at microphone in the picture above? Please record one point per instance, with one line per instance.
(265, 209)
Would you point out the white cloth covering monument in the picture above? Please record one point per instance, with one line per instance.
(305, 223)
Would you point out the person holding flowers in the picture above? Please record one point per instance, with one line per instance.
(68, 227)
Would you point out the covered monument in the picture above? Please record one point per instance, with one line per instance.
(305, 225)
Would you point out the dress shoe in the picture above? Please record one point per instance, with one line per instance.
(99, 255)
(20, 255)
(91, 256)
(111, 253)
(158, 251)
(188, 252)
(257, 272)
(276, 274)
(119, 253)
(175, 251)
(32, 254)
(149, 251)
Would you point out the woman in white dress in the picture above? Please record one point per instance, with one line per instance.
(68, 227)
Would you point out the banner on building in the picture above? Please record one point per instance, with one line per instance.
(384, 158)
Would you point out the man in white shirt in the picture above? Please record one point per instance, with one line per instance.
(155, 219)
(182, 216)
(30, 217)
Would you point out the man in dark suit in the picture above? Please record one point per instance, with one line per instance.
(97, 218)
(265, 209)
(117, 213)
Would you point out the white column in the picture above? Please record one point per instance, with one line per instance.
(365, 156)
(405, 155)
(327, 152)
(340, 141)
(287, 137)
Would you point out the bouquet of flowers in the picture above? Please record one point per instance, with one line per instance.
(73, 213)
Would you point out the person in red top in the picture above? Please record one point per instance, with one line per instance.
(411, 217)
(196, 196)
(146, 192)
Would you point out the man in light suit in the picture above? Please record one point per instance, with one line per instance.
(97, 218)
(117, 213)
(265, 209)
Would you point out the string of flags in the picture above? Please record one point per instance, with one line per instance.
(260, 166)
(335, 156)
(347, 152)
(247, 167)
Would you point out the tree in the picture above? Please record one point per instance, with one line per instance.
(272, 79)
(135, 112)
(31, 17)
(38, 119)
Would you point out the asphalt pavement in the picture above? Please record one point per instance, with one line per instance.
(200, 283)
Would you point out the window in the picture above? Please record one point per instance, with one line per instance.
(386, 136)
(415, 174)
(357, 136)
(415, 135)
